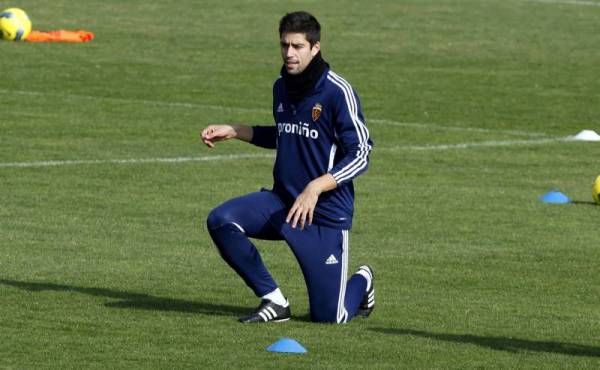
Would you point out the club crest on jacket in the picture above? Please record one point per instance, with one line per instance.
(316, 111)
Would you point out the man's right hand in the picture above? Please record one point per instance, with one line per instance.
(214, 133)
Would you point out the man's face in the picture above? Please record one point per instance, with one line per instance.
(297, 52)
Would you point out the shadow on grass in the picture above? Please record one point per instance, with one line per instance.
(501, 343)
(584, 203)
(134, 300)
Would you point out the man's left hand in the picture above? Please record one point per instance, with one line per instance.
(304, 207)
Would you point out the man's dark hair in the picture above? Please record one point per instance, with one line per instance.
(301, 22)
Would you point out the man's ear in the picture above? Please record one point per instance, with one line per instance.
(315, 48)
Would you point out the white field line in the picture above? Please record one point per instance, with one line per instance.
(170, 104)
(434, 126)
(568, 2)
(440, 147)
(75, 162)
(481, 144)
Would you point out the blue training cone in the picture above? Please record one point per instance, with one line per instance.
(286, 345)
(555, 197)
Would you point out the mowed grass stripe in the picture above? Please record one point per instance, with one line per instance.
(568, 2)
(173, 104)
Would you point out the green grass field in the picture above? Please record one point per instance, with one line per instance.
(105, 261)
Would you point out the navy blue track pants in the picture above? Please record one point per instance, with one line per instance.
(322, 253)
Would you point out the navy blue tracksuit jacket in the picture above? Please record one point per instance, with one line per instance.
(325, 132)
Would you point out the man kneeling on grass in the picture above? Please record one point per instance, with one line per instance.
(321, 144)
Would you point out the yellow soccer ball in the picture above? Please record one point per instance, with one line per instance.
(596, 190)
(15, 25)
